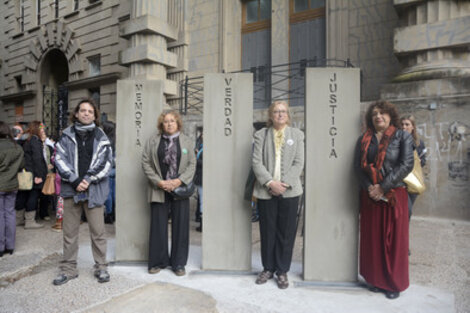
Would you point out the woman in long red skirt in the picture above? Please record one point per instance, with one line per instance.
(384, 156)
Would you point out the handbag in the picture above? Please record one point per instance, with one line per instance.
(251, 179)
(49, 185)
(415, 180)
(25, 180)
(184, 191)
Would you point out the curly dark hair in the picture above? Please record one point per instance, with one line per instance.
(73, 119)
(384, 107)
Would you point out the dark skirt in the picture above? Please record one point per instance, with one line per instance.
(384, 242)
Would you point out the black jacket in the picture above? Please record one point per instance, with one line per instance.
(398, 163)
(34, 159)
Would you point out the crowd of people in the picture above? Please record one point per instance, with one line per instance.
(83, 162)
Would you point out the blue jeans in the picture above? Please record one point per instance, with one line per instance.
(112, 193)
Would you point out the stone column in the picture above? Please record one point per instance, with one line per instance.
(332, 120)
(337, 31)
(279, 44)
(433, 86)
(148, 32)
(430, 44)
(140, 100)
(228, 133)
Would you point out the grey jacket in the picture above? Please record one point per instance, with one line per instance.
(97, 175)
(292, 162)
(398, 163)
(151, 165)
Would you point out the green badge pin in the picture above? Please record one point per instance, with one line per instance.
(185, 151)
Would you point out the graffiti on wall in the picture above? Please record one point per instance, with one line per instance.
(447, 142)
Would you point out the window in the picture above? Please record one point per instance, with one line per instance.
(302, 10)
(95, 95)
(19, 85)
(94, 65)
(256, 15)
(38, 11)
(75, 5)
(19, 7)
(56, 8)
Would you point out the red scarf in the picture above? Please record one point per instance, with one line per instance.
(373, 169)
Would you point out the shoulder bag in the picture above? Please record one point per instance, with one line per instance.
(415, 180)
(49, 185)
(25, 180)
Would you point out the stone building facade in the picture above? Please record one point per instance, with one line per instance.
(412, 52)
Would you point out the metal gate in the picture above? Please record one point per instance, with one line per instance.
(288, 80)
(54, 111)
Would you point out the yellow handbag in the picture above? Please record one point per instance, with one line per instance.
(25, 180)
(415, 180)
(49, 185)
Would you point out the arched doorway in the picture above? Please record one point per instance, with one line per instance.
(54, 73)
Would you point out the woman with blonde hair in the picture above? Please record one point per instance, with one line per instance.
(168, 162)
(408, 123)
(278, 161)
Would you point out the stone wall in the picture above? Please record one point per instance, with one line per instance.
(371, 25)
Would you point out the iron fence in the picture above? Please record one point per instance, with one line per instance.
(278, 82)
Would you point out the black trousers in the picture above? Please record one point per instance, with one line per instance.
(277, 225)
(158, 241)
(32, 201)
(21, 198)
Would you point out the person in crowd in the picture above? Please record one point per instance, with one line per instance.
(22, 195)
(109, 129)
(198, 177)
(168, 161)
(11, 161)
(408, 123)
(383, 157)
(83, 160)
(36, 163)
(45, 201)
(278, 161)
(59, 201)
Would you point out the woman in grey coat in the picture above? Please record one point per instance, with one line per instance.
(168, 162)
(278, 161)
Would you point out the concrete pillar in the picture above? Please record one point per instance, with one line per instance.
(139, 103)
(332, 120)
(140, 100)
(279, 45)
(228, 133)
(148, 32)
(337, 29)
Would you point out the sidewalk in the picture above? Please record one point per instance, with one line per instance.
(439, 273)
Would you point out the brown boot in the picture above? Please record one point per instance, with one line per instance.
(57, 226)
(30, 223)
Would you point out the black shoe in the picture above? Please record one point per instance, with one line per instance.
(375, 289)
(108, 219)
(179, 271)
(392, 294)
(10, 251)
(102, 276)
(62, 279)
(199, 228)
(1, 253)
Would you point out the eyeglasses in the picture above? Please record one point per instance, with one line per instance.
(280, 112)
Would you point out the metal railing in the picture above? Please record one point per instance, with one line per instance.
(277, 82)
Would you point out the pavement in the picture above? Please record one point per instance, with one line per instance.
(439, 275)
